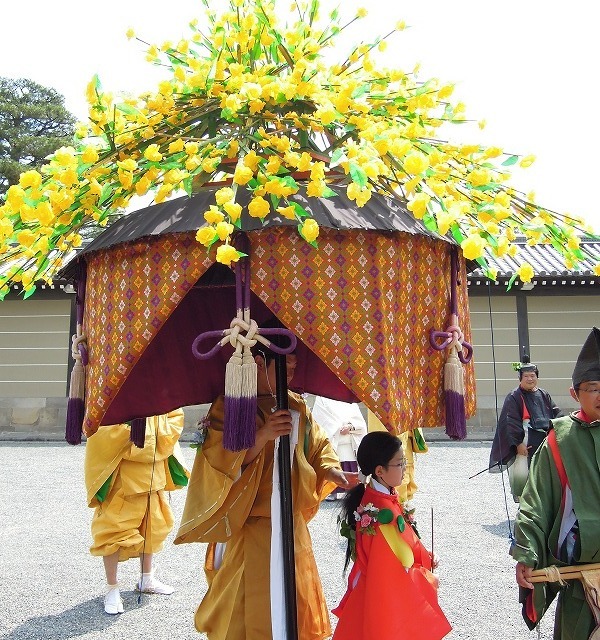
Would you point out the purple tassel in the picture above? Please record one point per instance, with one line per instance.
(456, 421)
(138, 432)
(231, 419)
(75, 413)
(239, 423)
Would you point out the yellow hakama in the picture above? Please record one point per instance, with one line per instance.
(226, 503)
(134, 509)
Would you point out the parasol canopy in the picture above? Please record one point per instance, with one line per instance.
(362, 305)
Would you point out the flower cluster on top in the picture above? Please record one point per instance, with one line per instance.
(250, 103)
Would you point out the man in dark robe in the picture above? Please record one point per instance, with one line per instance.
(524, 421)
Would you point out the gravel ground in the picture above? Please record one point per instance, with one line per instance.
(52, 588)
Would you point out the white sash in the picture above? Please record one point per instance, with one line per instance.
(278, 621)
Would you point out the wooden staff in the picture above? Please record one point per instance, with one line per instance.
(571, 572)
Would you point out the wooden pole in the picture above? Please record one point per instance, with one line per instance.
(570, 572)
(287, 514)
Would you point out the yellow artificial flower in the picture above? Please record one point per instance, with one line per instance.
(224, 195)
(479, 177)
(418, 205)
(259, 207)
(316, 188)
(525, 162)
(213, 215)
(287, 212)
(130, 33)
(142, 186)
(226, 254)
(415, 163)
(163, 193)
(206, 235)
(44, 213)
(6, 228)
(191, 148)
(242, 174)
(273, 165)
(473, 246)
(224, 230)
(127, 165)
(502, 247)
(26, 237)
(31, 179)
(310, 230)
(251, 160)
(597, 269)
(89, 155)
(210, 164)
(176, 146)
(525, 272)
(233, 209)
(361, 13)
(152, 153)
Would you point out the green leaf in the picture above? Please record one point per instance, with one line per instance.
(511, 281)
(360, 91)
(128, 109)
(29, 291)
(187, 185)
(336, 157)
(457, 233)
(358, 175)
(300, 211)
(429, 222)
(275, 201)
(329, 193)
(510, 161)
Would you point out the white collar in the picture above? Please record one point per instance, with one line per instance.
(379, 487)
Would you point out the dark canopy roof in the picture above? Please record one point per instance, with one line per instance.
(187, 214)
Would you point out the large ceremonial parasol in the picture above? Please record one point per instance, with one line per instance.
(363, 310)
(362, 306)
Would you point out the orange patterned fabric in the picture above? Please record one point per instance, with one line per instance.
(364, 302)
(131, 290)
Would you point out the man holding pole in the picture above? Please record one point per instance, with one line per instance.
(557, 532)
(229, 504)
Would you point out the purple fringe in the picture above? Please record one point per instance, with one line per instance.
(75, 413)
(456, 420)
(138, 432)
(239, 423)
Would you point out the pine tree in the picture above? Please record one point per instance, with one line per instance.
(33, 123)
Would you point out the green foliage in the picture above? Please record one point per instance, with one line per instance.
(33, 124)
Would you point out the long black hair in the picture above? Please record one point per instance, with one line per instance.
(376, 448)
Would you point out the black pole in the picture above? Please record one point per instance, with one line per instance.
(287, 514)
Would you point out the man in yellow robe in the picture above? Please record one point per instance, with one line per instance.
(126, 486)
(229, 505)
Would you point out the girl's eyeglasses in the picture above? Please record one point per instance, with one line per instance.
(399, 464)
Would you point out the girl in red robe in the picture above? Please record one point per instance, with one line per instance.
(392, 593)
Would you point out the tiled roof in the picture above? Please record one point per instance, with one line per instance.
(547, 264)
(545, 260)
